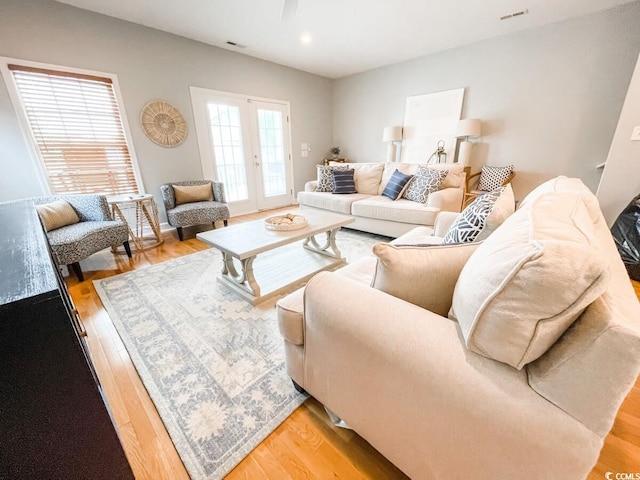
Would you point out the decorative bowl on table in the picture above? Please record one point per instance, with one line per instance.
(285, 222)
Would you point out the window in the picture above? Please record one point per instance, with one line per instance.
(76, 124)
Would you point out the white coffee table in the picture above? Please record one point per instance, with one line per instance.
(280, 269)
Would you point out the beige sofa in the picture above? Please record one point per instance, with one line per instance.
(376, 213)
(503, 374)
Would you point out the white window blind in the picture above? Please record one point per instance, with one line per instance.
(77, 126)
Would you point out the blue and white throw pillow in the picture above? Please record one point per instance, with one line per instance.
(424, 182)
(395, 184)
(492, 178)
(343, 181)
(471, 222)
(325, 179)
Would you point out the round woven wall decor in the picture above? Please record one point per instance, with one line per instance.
(163, 123)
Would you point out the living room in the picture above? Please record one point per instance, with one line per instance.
(550, 98)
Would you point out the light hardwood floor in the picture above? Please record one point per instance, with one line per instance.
(306, 445)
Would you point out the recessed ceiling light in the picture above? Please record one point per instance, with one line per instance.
(305, 38)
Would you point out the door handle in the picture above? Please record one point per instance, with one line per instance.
(257, 164)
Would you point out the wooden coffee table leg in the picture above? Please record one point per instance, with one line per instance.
(330, 249)
(244, 279)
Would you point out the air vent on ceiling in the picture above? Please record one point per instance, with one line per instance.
(237, 45)
(514, 14)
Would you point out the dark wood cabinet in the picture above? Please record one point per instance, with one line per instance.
(54, 419)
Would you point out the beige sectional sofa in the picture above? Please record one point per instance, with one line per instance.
(510, 358)
(378, 214)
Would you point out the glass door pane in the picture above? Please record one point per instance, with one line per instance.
(272, 152)
(228, 150)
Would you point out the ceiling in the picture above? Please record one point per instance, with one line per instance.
(347, 36)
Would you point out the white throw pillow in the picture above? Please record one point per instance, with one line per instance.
(367, 177)
(486, 213)
(529, 281)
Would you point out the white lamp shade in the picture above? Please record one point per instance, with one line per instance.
(392, 134)
(469, 128)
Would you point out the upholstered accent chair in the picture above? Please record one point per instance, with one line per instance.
(95, 230)
(195, 211)
(488, 179)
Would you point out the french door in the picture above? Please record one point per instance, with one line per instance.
(245, 143)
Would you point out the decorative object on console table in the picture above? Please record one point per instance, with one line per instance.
(392, 135)
(440, 154)
(138, 212)
(466, 129)
(55, 422)
(327, 161)
(335, 152)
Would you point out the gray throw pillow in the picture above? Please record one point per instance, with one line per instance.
(424, 182)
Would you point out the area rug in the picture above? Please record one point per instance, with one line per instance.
(212, 364)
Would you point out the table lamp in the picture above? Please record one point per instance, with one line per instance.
(392, 135)
(466, 129)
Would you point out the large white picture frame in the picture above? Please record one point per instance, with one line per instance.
(428, 119)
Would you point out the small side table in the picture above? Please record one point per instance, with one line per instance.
(137, 212)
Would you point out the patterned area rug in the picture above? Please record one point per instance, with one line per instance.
(212, 364)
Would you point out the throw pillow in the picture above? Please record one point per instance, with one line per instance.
(192, 193)
(343, 181)
(57, 214)
(396, 184)
(482, 216)
(530, 280)
(492, 178)
(325, 179)
(424, 182)
(422, 275)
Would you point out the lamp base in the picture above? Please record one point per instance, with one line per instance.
(464, 153)
(391, 152)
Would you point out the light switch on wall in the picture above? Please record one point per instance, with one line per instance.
(304, 147)
(304, 153)
(635, 136)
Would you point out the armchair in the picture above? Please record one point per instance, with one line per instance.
(501, 176)
(95, 231)
(195, 211)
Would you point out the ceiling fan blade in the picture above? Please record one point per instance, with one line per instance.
(289, 8)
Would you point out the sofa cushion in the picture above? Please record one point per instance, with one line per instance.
(400, 210)
(192, 193)
(486, 213)
(56, 214)
(418, 236)
(328, 201)
(424, 276)
(529, 280)
(325, 179)
(367, 177)
(455, 178)
(492, 178)
(424, 182)
(396, 185)
(343, 182)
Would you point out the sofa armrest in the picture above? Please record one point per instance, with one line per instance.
(311, 186)
(443, 222)
(447, 199)
(396, 372)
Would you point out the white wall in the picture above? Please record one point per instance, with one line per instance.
(621, 177)
(150, 65)
(549, 97)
